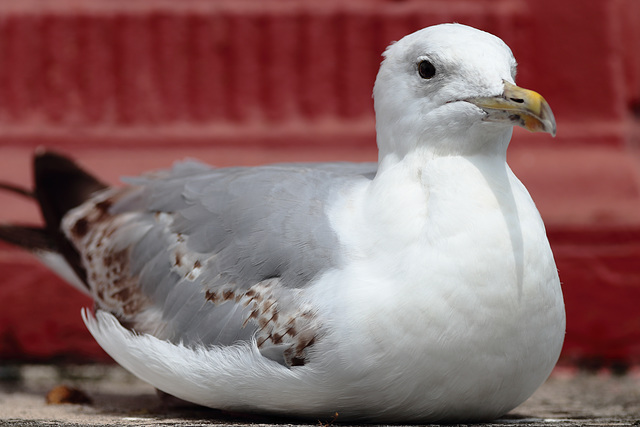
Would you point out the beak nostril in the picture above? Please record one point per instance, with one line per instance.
(518, 100)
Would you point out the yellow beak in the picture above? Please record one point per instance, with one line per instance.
(519, 106)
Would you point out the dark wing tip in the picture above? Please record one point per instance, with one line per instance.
(30, 238)
(60, 185)
(16, 190)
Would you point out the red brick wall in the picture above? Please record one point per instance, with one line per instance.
(125, 86)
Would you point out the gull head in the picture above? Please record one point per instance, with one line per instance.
(450, 89)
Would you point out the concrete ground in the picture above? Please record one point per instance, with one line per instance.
(568, 398)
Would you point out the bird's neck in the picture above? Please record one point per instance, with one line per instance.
(431, 184)
(416, 150)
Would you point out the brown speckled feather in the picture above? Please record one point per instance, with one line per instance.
(205, 256)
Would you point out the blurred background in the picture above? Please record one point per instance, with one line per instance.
(128, 86)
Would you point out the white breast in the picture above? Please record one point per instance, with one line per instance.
(453, 297)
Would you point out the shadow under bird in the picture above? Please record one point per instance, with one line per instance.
(420, 288)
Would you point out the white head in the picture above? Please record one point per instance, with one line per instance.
(449, 89)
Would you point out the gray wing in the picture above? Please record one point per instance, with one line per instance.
(212, 256)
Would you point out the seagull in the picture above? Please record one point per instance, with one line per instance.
(420, 288)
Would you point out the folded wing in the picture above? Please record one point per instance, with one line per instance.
(208, 256)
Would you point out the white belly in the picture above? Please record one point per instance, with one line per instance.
(464, 321)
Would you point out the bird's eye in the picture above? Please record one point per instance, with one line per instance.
(426, 69)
